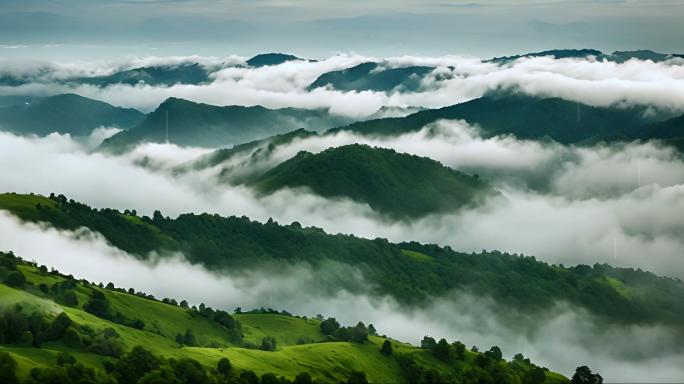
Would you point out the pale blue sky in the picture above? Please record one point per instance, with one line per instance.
(47, 28)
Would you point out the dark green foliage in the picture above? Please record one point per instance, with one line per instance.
(189, 371)
(583, 375)
(58, 327)
(359, 333)
(428, 343)
(494, 353)
(8, 369)
(134, 365)
(249, 377)
(223, 367)
(15, 279)
(64, 358)
(379, 177)
(269, 378)
(75, 373)
(441, 350)
(303, 378)
(161, 375)
(187, 338)
(68, 113)
(357, 377)
(97, 305)
(386, 348)
(268, 343)
(329, 326)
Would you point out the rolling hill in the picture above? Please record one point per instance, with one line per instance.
(203, 125)
(409, 272)
(266, 59)
(617, 56)
(372, 76)
(189, 73)
(526, 117)
(67, 113)
(396, 184)
(57, 329)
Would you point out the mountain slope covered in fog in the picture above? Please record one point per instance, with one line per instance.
(67, 113)
(410, 272)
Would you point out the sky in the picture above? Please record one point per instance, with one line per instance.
(97, 28)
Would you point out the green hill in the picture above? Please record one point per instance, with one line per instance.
(396, 184)
(373, 77)
(409, 272)
(526, 117)
(56, 329)
(203, 125)
(68, 113)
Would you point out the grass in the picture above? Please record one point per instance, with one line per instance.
(418, 256)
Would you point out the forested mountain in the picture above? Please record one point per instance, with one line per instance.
(62, 330)
(266, 59)
(67, 113)
(409, 272)
(203, 125)
(396, 184)
(617, 56)
(372, 76)
(526, 117)
(188, 73)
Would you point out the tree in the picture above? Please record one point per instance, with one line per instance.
(536, 376)
(64, 358)
(459, 349)
(223, 367)
(428, 342)
(302, 378)
(189, 371)
(357, 377)
(371, 330)
(386, 348)
(441, 350)
(162, 375)
(359, 333)
(8, 369)
(269, 378)
(183, 304)
(583, 375)
(58, 327)
(15, 279)
(189, 338)
(329, 326)
(494, 353)
(249, 377)
(135, 364)
(268, 343)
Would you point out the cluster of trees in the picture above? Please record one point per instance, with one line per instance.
(17, 326)
(140, 366)
(522, 282)
(358, 333)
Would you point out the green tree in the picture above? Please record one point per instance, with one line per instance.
(302, 378)
(15, 279)
(223, 367)
(268, 343)
(583, 375)
(386, 348)
(357, 377)
(441, 350)
(269, 378)
(162, 375)
(249, 377)
(135, 364)
(8, 369)
(329, 326)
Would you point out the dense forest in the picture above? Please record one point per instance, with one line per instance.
(409, 272)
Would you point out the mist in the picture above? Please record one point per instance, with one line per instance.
(455, 79)
(560, 338)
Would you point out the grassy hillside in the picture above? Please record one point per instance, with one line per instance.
(68, 113)
(42, 331)
(203, 125)
(410, 272)
(372, 77)
(396, 184)
(526, 117)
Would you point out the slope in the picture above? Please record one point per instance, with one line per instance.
(373, 77)
(400, 185)
(67, 113)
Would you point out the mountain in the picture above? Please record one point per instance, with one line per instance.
(241, 162)
(400, 185)
(409, 272)
(203, 125)
(63, 330)
(617, 56)
(373, 77)
(555, 53)
(526, 117)
(266, 59)
(67, 113)
(156, 75)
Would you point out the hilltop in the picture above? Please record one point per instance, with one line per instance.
(397, 184)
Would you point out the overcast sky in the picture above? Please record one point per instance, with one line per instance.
(90, 28)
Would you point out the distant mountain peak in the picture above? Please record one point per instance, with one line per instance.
(266, 59)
